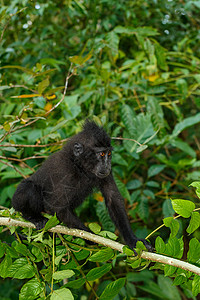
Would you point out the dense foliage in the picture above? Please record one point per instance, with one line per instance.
(132, 66)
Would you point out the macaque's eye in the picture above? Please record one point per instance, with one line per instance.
(102, 153)
(109, 153)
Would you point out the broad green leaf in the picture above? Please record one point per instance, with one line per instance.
(104, 217)
(140, 131)
(75, 284)
(128, 115)
(167, 209)
(43, 85)
(174, 248)
(166, 285)
(196, 285)
(193, 254)
(118, 159)
(96, 228)
(4, 266)
(196, 184)
(98, 272)
(160, 245)
(102, 255)
(31, 289)
(25, 70)
(180, 279)
(21, 269)
(62, 293)
(173, 225)
(161, 56)
(122, 188)
(190, 121)
(182, 87)
(194, 222)
(108, 234)
(136, 263)
(143, 31)
(52, 222)
(143, 208)
(169, 270)
(183, 207)
(60, 275)
(134, 184)
(184, 147)
(80, 60)
(2, 249)
(155, 169)
(113, 42)
(112, 289)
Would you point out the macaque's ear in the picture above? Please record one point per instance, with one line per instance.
(78, 149)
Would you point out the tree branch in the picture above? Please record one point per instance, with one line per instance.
(106, 242)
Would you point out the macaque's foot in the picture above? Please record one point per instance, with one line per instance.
(147, 245)
(39, 223)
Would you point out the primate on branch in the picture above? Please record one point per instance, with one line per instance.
(68, 176)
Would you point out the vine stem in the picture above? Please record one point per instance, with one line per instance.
(106, 242)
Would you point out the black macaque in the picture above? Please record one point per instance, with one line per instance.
(68, 176)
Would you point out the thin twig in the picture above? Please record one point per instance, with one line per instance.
(126, 139)
(34, 146)
(13, 167)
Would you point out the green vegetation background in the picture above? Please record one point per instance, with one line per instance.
(136, 72)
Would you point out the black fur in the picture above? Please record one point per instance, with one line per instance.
(67, 177)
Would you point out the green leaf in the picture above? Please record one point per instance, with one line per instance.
(108, 234)
(161, 56)
(62, 293)
(173, 225)
(21, 248)
(128, 115)
(194, 222)
(31, 290)
(143, 31)
(43, 85)
(104, 217)
(160, 245)
(98, 272)
(75, 284)
(196, 285)
(94, 227)
(190, 121)
(102, 255)
(21, 269)
(182, 87)
(60, 275)
(134, 184)
(194, 251)
(141, 130)
(174, 248)
(155, 169)
(80, 60)
(136, 263)
(183, 207)
(112, 40)
(4, 266)
(122, 188)
(184, 147)
(143, 208)
(113, 289)
(52, 222)
(28, 71)
(169, 270)
(196, 184)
